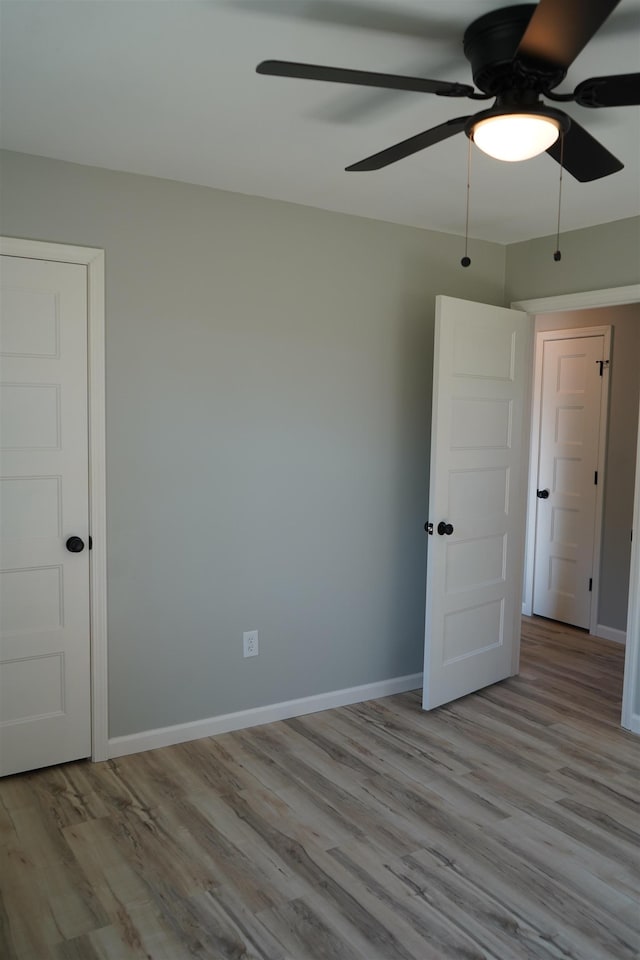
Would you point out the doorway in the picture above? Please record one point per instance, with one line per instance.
(608, 480)
(546, 312)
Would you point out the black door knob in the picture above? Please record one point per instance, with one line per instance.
(75, 545)
(445, 528)
(542, 494)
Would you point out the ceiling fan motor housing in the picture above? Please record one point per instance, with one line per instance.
(490, 46)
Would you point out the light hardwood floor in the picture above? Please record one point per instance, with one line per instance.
(504, 825)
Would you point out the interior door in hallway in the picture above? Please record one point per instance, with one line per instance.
(45, 715)
(573, 378)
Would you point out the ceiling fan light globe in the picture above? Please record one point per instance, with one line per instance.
(515, 136)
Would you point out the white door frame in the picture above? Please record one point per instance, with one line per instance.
(581, 301)
(541, 337)
(93, 259)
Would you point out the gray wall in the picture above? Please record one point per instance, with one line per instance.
(621, 449)
(268, 410)
(592, 259)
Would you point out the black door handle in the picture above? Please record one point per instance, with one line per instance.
(75, 545)
(542, 494)
(445, 528)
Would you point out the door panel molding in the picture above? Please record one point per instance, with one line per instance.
(578, 301)
(93, 259)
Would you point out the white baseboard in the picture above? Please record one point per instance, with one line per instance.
(610, 633)
(209, 727)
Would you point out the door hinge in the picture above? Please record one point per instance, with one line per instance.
(595, 478)
(590, 584)
(602, 364)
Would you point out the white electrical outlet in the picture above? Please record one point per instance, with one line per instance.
(250, 643)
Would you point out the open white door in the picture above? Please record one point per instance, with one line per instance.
(479, 451)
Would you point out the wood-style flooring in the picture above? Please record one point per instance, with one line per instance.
(504, 825)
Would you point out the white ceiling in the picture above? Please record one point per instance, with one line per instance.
(168, 88)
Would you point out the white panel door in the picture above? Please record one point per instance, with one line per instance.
(44, 588)
(481, 379)
(566, 502)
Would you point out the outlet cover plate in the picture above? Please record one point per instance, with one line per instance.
(250, 643)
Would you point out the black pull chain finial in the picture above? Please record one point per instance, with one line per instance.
(557, 255)
(466, 260)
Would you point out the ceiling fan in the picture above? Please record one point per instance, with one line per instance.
(517, 54)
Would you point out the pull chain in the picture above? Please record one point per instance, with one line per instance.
(557, 255)
(466, 260)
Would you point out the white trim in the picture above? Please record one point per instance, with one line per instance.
(93, 259)
(578, 301)
(39, 250)
(631, 690)
(541, 337)
(610, 633)
(212, 726)
(98, 508)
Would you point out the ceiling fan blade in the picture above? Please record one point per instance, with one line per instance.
(360, 15)
(364, 78)
(413, 145)
(622, 90)
(583, 156)
(559, 29)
